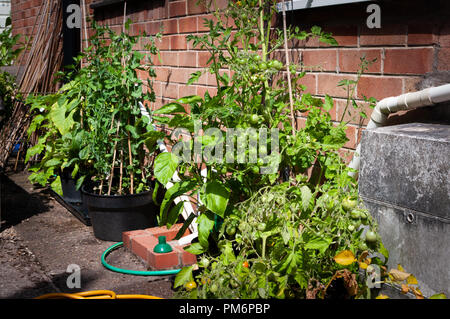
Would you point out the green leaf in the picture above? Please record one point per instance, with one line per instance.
(165, 166)
(439, 296)
(194, 77)
(132, 130)
(195, 248)
(174, 213)
(319, 243)
(306, 196)
(190, 99)
(170, 108)
(56, 186)
(176, 190)
(36, 149)
(52, 162)
(184, 276)
(205, 224)
(215, 197)
(328, 105)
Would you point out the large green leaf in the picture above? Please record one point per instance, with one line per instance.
(170, 108)
(165, 166)
(58, 116)
(184, 276)
(176, 190)
(215, 197)
(205, 224)
(174, 213)
(306, 196)
(319, 243)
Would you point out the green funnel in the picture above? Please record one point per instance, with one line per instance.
(162, 247)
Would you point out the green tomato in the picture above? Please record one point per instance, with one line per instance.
(354, 214)
(261, 226)
(263, 66)
(204, 262)
(349, 203)
(351, 227)
(371, 237)
(231, 230)
(254, 119)
(213, 288)
(255, 169)
(363, 246)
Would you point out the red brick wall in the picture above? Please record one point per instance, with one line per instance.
(414, 41)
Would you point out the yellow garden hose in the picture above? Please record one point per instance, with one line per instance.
(94, 294)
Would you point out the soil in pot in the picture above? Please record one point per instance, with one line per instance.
(113, 215)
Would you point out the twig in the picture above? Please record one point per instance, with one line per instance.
(291, 102)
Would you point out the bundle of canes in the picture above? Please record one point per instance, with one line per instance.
(40, 60)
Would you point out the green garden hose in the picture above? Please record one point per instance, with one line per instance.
(134, 272)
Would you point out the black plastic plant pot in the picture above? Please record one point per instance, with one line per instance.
(112, 215)
(70, 192)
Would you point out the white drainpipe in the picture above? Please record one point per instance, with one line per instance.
(406, 101)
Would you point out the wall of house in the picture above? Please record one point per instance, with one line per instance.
(5, 8)
(412, 47)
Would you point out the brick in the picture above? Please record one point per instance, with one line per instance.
(163, 261)
(177, 8)
(352, 115)
(169, 233)
(179, 75)
(170, 90)
(152, 28)
(444, 37)
(379, 87)
(187, 25)
(201, 90)
(322, 60)
(195, 8)
(169, 58)
(187, 90)
(178, 42)
(170, 26)
(309, 80)
(350, 132)
(163, 43)
(203, 57)
(408, 61)
(185, 257)
(422, 34)
(128, 236)
(328, 84)
(443, 59)
(387, 35)
(346, 36)
(140, 246)
(349, 60)
(162, 74)
(187, 59)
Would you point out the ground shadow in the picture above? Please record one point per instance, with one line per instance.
(17, 204)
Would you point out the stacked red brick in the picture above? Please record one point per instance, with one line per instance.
(142, 243)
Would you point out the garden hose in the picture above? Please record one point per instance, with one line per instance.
(134, 272)
(94, 294)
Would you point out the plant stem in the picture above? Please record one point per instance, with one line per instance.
(113, 161)
(131, 163)
(291, 102)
